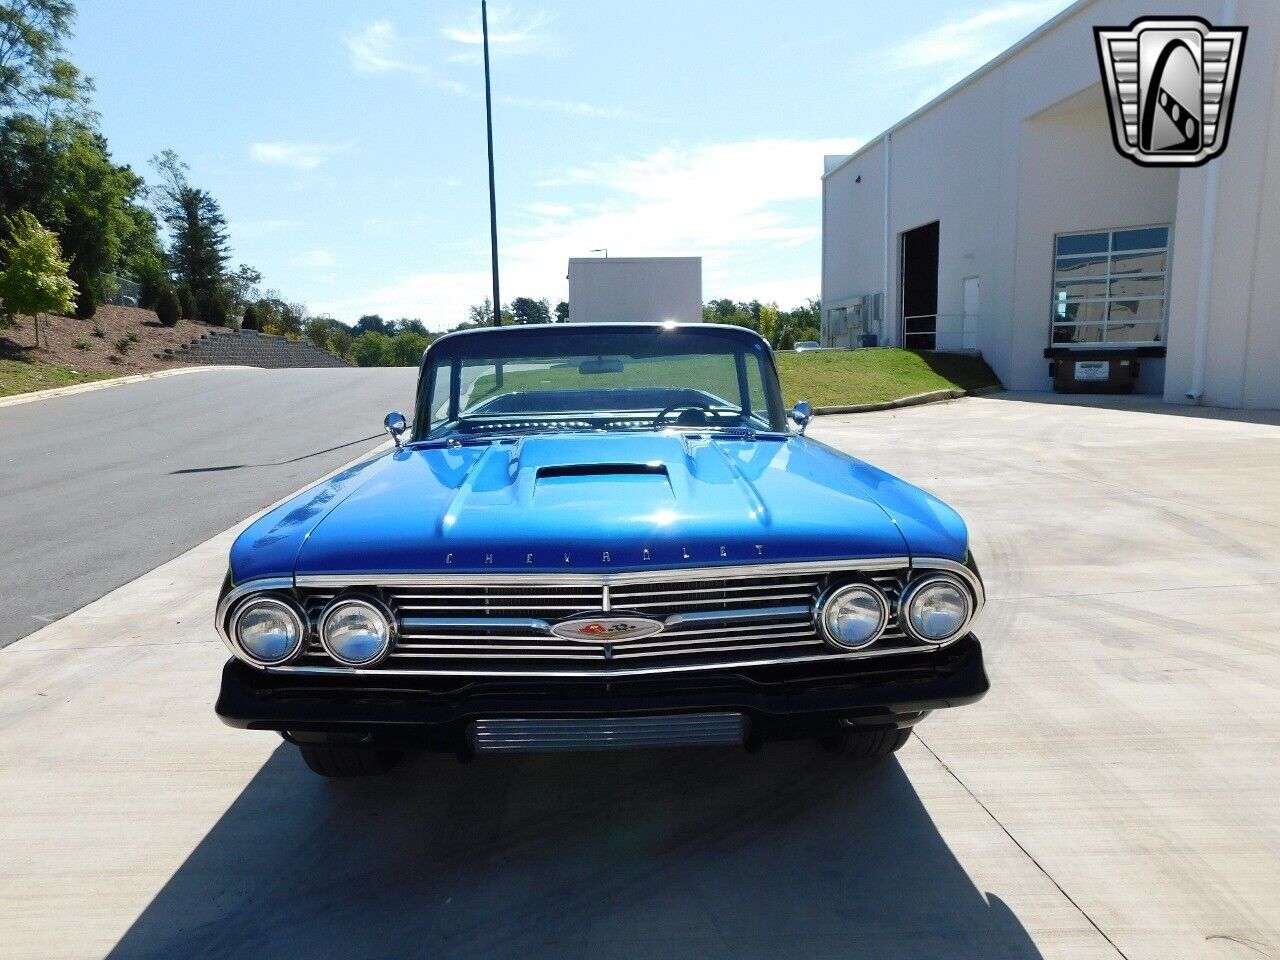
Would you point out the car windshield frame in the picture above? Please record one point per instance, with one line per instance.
(447, 355)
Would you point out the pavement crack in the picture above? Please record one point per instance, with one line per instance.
(1027, 853)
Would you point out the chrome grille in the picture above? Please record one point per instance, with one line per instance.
(492, 626)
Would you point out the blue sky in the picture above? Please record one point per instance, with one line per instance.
(346, 143)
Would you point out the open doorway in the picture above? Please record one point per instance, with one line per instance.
(920, 287)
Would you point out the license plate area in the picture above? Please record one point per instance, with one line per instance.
(543, 735)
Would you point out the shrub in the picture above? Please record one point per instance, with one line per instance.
(86, 297)
(217, 311)
(122, 345)
(168, 309)
(98, 330)
(371, 350)
(81, 343)
(133, 336)
(186, 302)
(250, 321)
(406, 349)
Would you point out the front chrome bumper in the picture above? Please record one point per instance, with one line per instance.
(778, 702)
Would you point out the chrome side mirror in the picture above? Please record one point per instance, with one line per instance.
(801, 414)
(395, 424)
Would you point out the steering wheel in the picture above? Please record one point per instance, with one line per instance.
(686, 405)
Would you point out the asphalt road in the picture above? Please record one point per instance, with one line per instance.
(100, 487)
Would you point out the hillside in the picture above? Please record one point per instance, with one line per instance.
(116, 342)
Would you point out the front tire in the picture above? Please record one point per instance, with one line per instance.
(345, 760)
(868, 745)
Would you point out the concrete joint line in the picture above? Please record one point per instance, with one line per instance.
(1025, 852)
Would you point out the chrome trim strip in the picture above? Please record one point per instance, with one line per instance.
(516, 623)
(394, 581)
(752, 613)
(606, 673)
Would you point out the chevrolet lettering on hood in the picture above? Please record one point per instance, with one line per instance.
(597, 536)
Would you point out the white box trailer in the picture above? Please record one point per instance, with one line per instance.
(635, 289)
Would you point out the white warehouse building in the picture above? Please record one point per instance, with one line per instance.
(1000, 217)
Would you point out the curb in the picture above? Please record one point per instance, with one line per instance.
(35, 395)
(916, 400)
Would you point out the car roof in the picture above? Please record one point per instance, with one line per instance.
(728, 331)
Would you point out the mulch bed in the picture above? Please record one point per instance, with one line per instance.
(60, 336)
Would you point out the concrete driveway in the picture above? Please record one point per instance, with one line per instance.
(1114, 796)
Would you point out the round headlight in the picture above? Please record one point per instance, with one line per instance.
(356, 632)
(936, 609)
(853, 616)
(269, 631)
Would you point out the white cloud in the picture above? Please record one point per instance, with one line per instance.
(315, 258)
(967, 44)
(378, 48)
(507, 30)
(290, 153)
(731, 203)
(575, 108)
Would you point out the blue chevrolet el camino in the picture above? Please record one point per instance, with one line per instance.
(599, 536)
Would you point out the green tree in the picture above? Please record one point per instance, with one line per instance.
(242, 284)
(167, 309)
(34, 279)
(34, 75)
(412, 326)
(371, 350)
(562, 311)
(62, 172)
(198, 248)
(528, 310)
(767, 320)
(250, 321)
(406, 349)
(372, 323)
(478, 315)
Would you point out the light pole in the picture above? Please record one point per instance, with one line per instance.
(493, 202)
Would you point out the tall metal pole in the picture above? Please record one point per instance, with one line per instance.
(493, 202)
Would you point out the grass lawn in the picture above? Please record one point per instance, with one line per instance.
(844, 377)
(23, 376)
(824, 378)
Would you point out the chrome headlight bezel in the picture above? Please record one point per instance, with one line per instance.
(366, 603)
(826, 605)
(291, 610)
(914, 590)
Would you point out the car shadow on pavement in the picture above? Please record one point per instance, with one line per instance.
(274, 463)
(705, 853)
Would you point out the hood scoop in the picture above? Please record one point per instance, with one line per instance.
(602, 470)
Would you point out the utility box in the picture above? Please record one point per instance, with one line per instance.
(1094, 371)
(635, 289)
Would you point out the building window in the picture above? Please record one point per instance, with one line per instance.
(1110, 287)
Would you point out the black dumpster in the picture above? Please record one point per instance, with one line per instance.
(1094, 371)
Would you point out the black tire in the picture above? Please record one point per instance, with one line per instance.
(868, 745)
(346, 760)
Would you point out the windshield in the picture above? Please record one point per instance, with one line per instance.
(566, 378)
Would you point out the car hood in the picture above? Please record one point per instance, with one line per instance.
(599, 503)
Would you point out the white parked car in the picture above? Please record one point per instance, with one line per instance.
(804, 345)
